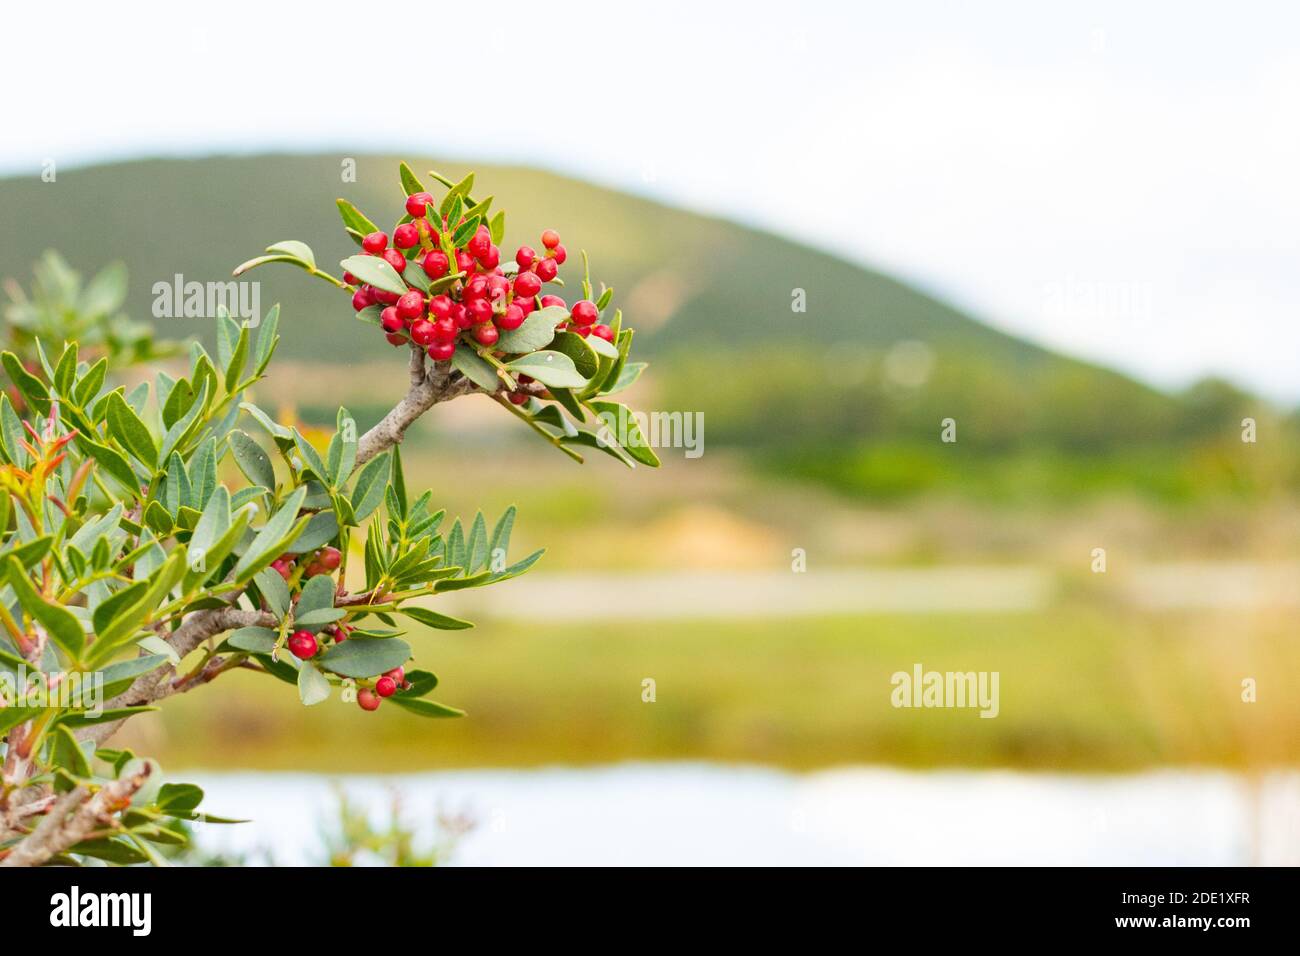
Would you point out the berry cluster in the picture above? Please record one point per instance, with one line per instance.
(487, 297)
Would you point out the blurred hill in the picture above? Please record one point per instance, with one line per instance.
(850, 393)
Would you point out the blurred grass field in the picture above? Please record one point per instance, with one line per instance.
(1081, 688)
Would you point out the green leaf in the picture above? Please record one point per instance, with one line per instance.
(270, 540)
(266, 340)
(579, 350)
(368, 492)
(343, 449)
(425, 708)
(410, 184)
(536, 333)
(601, 347)
(310, 457)
(315, 620)
(235, 367)
(501, 533)
(31, 387)
(474, 368)
(627, 376)
(252, 461)
(108, 609)
(549, 368)
(374, 271)
(178, 797)
(255, 640)
(256, 261)
(292, 247)
(118, 677)
(60, 623)
(181, 429)
(112, 463)
(625, 431)
(321, 529)
(498, 227)
(353, 218)
(66, 752)
(273, 590)
(433, 619)
(66, 371)
(316, 595)
(91, 383)
(465, 231)
(313, 688)
(368, 658)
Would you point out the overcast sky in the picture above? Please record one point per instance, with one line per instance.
(1118, 180)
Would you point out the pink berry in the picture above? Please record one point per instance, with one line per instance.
(585, 313)
(435, 264)
(302, 644)
(416, 204)
(406, 235)
(367, 699)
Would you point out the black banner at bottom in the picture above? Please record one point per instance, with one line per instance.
(136, 905)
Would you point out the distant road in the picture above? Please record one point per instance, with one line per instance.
(968, 589)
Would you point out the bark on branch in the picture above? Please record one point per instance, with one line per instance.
(75, 816)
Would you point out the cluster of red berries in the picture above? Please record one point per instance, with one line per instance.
(482, 304)
(324, 561)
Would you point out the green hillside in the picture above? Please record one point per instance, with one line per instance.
(725, 284)
(823, 394)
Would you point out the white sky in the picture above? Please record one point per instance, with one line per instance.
(1119, 180)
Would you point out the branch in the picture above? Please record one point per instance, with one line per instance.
(160, 683)
(428, 388)
(73, 818)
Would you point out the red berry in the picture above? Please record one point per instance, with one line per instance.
(550, 300)
(511, 319)
(395, 338)
(603, 332)
(526, 305)
(390, 321)
(497, 287)
(550, 238)
(518, 398)
(480, 311)
(525, 256)
(350, 279)
(479, 243)
(585, 313)
(441, 351)
(283, 567)
(406, 235)
(461, 316)
(395, 259)
(475, 288)
(583, 330)
(547, 270)
(302, 644)
(375, 243)
(367, 699)
(464, 262)
(491, 259)
(385, 686)
(527, 284)
(435, 264)
(559, 254)
(486, 334)
(388, 298)
(440, 306)
(411, 305)
(416, 203)
(363, 298)
(331, 558)
(444, 330)
(398, 674)
(422, 332)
